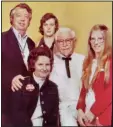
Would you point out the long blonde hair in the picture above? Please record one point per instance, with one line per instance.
(103, 61)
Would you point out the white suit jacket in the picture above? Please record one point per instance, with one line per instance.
(69, 88)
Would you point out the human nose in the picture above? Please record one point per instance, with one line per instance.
(44, 67)
(96, 41)
(64, 43)
(48, 26)
(22, 18)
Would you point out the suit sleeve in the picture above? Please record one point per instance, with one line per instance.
(81, 101)
(106, 97)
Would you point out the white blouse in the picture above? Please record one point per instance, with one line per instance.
(37, 115)
(90, 96)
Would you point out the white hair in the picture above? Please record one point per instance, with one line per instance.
(64, 30)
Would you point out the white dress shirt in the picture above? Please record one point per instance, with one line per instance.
(69, 88)
(37, 115)
(22, 44)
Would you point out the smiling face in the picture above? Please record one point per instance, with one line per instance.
(65, 43)
(20, 19)
(42, 67)
(97, 41)
(49, 27)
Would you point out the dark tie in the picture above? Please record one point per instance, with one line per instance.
(67, 65)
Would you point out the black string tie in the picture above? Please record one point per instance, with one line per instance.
(67, 65)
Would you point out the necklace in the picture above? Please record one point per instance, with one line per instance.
(22, 49)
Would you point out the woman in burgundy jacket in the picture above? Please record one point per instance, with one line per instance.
(95, 101)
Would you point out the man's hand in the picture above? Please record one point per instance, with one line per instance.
(81, 117)
(16, 84)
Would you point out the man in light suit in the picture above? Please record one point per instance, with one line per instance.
(66, 73)
(15, 50)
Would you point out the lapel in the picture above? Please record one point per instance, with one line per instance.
(46, 83)
(94, 76)
(14, 45)
(42, 42)
(52, 47)
(32, 81)
(30, 47)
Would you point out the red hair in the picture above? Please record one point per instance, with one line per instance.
(103, 58)
(35, 53)
(46, 17)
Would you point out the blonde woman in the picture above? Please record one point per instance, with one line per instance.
(95, 101)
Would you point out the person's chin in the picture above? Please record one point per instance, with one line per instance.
(43, 76)
(98, 51)
(49, 34)
(66, 53)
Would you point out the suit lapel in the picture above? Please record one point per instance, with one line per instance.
(14, 45)
(14, 42)
(30, 47)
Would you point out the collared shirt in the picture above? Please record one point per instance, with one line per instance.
(37, 115)
(22, 42)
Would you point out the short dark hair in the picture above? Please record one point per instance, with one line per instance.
(21, 5)
(35, 53)
(45, 18)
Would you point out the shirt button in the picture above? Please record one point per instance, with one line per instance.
(41, 93)
(44, 112)
(42, 102)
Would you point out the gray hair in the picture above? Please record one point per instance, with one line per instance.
(63, 30)
(21, 5)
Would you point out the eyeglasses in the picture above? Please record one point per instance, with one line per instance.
(100, 40)
(68, 40)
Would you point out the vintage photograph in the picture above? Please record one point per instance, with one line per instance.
(56, 64)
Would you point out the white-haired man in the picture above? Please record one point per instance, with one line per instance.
(66, 73)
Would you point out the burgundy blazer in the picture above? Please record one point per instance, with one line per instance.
(12, 65)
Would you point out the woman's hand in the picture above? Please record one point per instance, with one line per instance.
(90, 116)
(81, 117)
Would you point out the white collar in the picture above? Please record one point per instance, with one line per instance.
(18, 35)
(38, 80)
(59, 55)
